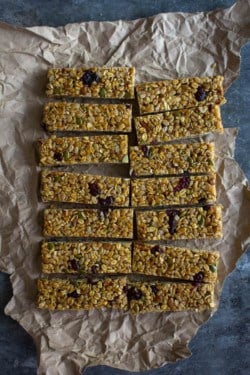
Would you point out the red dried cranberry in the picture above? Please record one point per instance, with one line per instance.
(94, 189)
(74, 264)
(89, 77)
(155, 250)
(183, 182)
(134, 293)
(200, 94)
(154, 289)
(202, 201)
(106, 202)
(58, 156)
(73, 294)
(146, 151)
(172, 220)
(198, 278)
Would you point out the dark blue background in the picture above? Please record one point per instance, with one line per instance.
(222, 346)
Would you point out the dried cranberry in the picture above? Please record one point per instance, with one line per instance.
(183, 182)
(202, 201)
(94, 189)
(74, 264)
(89, 77)
(198, 278)
(134, 293)
(106, 202)
(154, 289)
(58, 156)
(172, 220)
(73, 294)
(146, 151)
(156, 249)
(200, 94)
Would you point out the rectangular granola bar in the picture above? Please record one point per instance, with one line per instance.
(65, 294)
(86, 257)
(64, 116)
(172, 125)
(83, 150)
(182, 223)
(148, 297)
(180, 93)
(96, 82)
(172, 159)
(110, 223)
(175, 262)
(81, 188)
(173, 190)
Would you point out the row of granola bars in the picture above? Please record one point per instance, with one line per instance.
(162, 175)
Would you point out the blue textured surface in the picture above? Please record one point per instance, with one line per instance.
(222, 346)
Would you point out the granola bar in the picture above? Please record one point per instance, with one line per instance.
(83, 150)
(86, 257)
(110, 223)
(175, 262)
(63, 116)
(65, 294)
(173, 190)
(148, 297)
(87, 189)
(172, 159)
(184, 123)
(179, 93)
(183, 223)
(103, 82)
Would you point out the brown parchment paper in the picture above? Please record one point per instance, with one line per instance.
(164, 46)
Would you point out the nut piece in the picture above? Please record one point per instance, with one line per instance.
(172, 125)
(57, 294)
(181, 93)
(86, 257)
(104, 82)
(175, 262)
(64, 116)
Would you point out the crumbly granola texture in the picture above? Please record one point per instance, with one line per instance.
(83, 150)
(164, 191)
(180, 93)
(82, 188)
(174, 125)
(175, 262)
(93, 82)
(64, 116)
(86, 257)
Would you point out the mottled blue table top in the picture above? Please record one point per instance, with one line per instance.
(222, 346)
